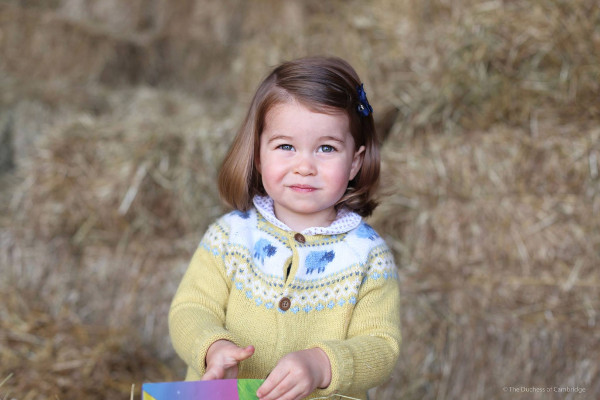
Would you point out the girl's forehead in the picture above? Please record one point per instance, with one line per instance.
(298, 115)
(288, 109)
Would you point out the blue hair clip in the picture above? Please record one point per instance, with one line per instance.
(364, 108)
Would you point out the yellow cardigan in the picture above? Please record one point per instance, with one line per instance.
(340, 294)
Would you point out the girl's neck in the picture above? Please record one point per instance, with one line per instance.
(299, 222)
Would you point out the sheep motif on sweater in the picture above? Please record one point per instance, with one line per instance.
(318, 260)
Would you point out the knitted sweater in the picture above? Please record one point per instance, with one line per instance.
(253, 281)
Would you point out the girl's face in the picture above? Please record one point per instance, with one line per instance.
(306, 161)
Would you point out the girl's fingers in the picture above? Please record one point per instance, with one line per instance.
(213, 373)
(287, 389)
(226, 366)
(274, 378)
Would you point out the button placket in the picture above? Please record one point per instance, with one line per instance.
(285, 303)
(301, 239)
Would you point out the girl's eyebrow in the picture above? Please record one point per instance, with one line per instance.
(288, 138)
(333, 138)
(279, 137)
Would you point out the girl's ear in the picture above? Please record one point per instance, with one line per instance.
(357, 162)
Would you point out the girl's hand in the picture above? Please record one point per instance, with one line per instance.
(296, 375)
(222, 359)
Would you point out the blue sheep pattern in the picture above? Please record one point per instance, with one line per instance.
(318, 260)
(365, 231)
(262, 249)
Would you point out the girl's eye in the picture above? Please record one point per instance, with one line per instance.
(287, 147)
(326, 148)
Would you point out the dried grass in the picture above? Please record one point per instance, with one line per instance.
(61, 356)
(112, 206)
(481, 63)
(499, 256)
(492, 190)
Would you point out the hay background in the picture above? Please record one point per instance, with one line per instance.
(114, 117)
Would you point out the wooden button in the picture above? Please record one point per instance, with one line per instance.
(284, 304)
(299, 238)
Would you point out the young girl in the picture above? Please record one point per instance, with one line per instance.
(293, 286)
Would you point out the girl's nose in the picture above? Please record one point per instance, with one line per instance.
(305, 165)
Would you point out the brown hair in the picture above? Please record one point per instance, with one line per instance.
(323, 84)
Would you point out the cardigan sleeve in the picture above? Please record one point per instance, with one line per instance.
(197, 314)
(370, 352)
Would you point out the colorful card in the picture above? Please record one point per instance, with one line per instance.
(225, 389)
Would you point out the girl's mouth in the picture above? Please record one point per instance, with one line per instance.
(303, 188)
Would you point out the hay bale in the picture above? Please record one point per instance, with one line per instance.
(112, 208)
(117, 16)
(38, 45)
(138, 167)
(42, 44)
(498, 258)
(491, 171)
(81, 42)
(59, 356)
(470, 65)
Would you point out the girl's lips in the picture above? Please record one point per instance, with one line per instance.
(303, 188)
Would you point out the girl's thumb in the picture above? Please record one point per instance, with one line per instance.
(245, 353)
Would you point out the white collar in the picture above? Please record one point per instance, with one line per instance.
(345, 220)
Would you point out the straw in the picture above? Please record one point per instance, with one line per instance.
(489, 198)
